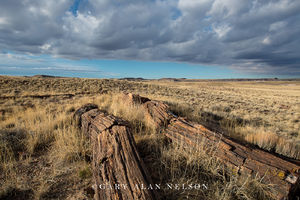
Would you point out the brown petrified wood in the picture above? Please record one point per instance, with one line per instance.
(87, 107)
(118, 170)
(156, 110)
(242, 160)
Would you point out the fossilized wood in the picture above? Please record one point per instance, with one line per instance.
(134, 98)
(77, 115)
(118, 170)
(156, 110)
(241, 159)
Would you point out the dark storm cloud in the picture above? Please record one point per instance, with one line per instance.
(248, 35)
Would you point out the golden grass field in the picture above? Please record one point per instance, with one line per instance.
(45, 156)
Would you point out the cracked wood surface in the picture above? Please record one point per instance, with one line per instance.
(118, 170)
(242, 160)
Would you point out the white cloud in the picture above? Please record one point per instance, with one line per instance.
(80, 28)
(225, 32)
(228, 8)
(46, 46)
(222, 30)
(277, 26)
(266, 40)
(3, 21)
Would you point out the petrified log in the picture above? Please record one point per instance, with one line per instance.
(118, 170)
(135, 98)
(156, 110)
(241, 159)
(87, 107)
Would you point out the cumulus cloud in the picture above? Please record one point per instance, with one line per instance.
(247, 35)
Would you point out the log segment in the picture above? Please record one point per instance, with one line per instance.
(77, 115)
(242, 160)
(118, 170)
(155, 110)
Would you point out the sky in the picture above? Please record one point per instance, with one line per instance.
(151, 38)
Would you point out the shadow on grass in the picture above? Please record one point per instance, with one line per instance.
(16, 194)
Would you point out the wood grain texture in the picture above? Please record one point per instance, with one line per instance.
(118, 170)
(241, 159)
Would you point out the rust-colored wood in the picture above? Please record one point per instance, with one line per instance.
(242, 160)
(118, 170)
(156, 110)
(79, 112)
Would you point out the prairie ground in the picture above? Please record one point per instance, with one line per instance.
(45, 156)
(266, 113)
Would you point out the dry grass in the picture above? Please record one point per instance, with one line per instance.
(241, 109)
(269, 141)
(41, 150)
(116, 105)
(175, 164)
(43, 153)
(70, 145)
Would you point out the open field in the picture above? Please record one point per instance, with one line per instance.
(45, 156)
(264, 113)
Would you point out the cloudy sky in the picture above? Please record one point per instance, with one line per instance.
(151, 38)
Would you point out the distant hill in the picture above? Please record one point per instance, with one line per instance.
(222, 80)
(133, 79)
(45, 76)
